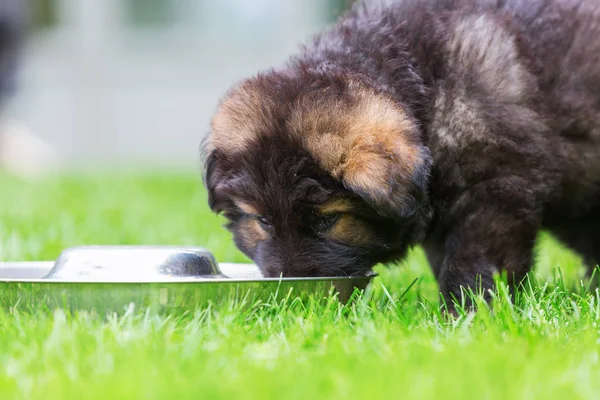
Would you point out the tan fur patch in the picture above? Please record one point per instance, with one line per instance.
(350, 230)
(481, 44)
(362, 142)
(458, 121)
(245, 207)
(251, 233)
(241, 115)
(336, 206)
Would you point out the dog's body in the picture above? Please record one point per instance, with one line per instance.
(464, 126)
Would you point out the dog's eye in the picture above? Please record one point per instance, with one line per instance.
(263, 221)
(327, 221)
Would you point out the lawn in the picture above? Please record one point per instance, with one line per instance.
(390, 344)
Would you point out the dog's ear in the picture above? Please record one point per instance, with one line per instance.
(387, 174)
(371, 145)
(241, 114)
(214, 177)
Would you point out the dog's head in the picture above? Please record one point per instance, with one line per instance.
(318, 174)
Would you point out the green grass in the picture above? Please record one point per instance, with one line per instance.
(385, 345)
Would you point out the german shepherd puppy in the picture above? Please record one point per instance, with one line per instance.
(465, 126)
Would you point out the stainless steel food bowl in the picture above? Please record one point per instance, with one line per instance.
(134, 263)
(111, 278)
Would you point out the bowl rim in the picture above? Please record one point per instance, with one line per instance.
(165, 280)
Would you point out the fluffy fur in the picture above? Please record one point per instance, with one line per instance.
(465, 126)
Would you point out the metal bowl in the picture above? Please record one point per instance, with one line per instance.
(134, 264)
(112, 278)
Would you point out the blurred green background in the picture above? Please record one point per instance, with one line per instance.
(135, 82)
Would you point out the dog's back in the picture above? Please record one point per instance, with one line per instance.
(527, 59)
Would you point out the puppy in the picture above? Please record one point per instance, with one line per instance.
(465, 126)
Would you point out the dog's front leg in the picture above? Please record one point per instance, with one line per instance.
(491, 227)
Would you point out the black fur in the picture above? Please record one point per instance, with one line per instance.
(506, 98)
